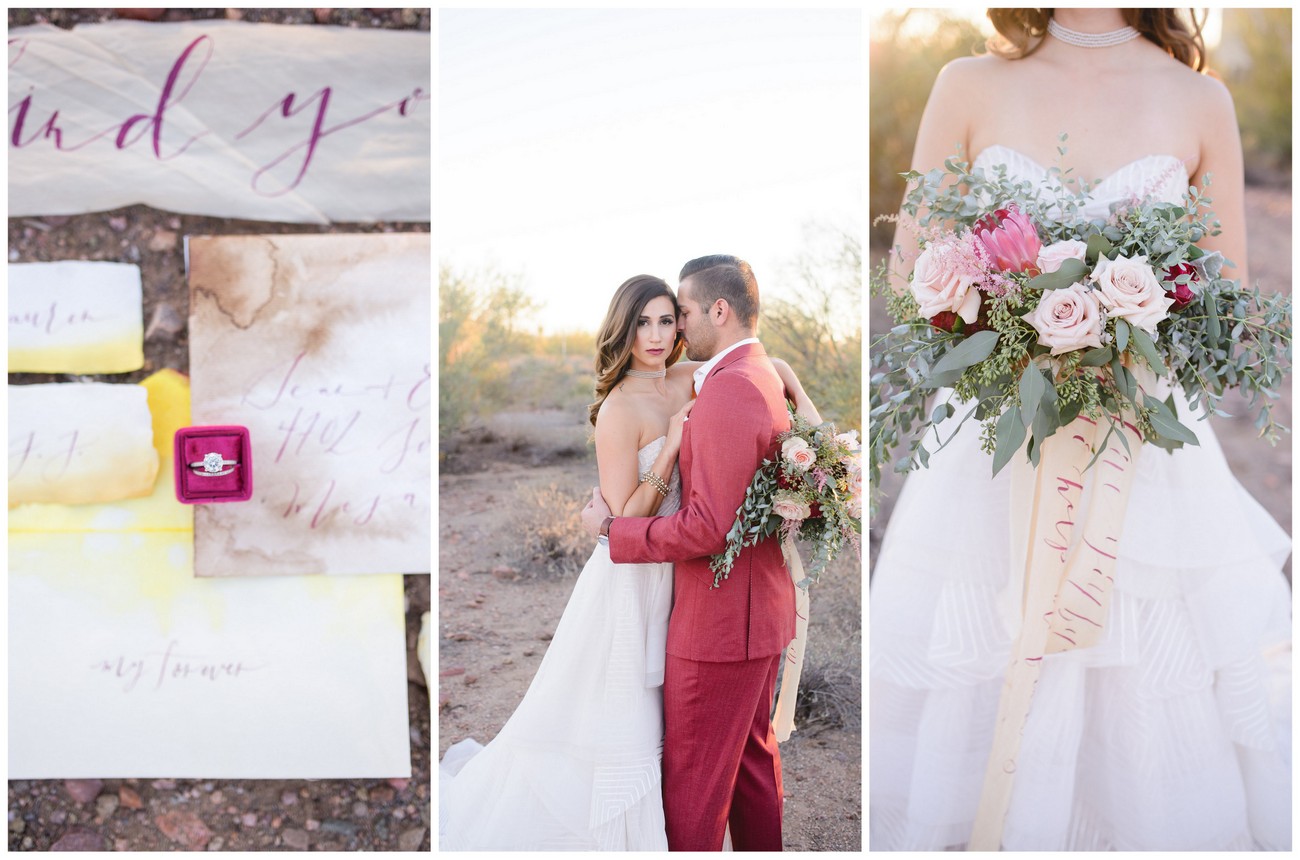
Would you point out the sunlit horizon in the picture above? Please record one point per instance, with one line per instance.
(578, 148)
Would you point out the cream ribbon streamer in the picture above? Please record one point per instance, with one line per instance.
(783, 718)
(1067, 583)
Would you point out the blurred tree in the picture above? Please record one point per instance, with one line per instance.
(819, 331)
(1254, 60)
(902, 72)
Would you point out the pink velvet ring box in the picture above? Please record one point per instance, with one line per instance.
(213, 464)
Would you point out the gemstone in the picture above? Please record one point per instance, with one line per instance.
(212, 462)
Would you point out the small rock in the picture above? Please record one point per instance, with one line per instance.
(451, 673)
(410, 839)
(360, 810)
(118, 223)
(165, 319)
(79, 839)
(129, 797)
(58, 816)
(288, 798)
(460, 637)
(83, 790)
(164, 784)
(17, 826)
(530, 653)
(444, 699)
(398, 814)
(410, 17)
(106, 805)
(275, 822)
(162, 240)
(382, 794)
(248, 819)
(217, 844)
(505, 573)
(20, 786)
(184, 828)
(313, 824)
(28, 843)
(363, 793)
(234, 14)
(174, 223)
(296, 839)
(399, 783)
(121, 844)
(217, 797)
(322, 16)
(470, 680)
(342, 828)
(153, 14)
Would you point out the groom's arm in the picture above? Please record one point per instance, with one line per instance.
(731, 431)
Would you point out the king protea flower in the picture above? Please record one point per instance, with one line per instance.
(1010, 239)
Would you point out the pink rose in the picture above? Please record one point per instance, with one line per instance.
(1129, 289)
(1067, 319)
(790, 506)
(798, 453)
(1052, 256)
(940, 286)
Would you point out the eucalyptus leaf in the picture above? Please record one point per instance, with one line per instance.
(1097, 357)
(1071, 272)
(1032, 388)
(972, 350)
(1147, 347)
(1121, 335)
(1009, 437)
(1098, 245)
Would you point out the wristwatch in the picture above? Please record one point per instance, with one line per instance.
(604, 527)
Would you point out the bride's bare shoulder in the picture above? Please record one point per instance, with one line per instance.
(964, 75)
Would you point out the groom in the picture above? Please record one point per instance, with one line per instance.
(720, 761)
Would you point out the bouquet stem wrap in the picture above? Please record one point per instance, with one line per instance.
(783, 717)
(1067, 582)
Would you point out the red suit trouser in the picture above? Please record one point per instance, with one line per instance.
(721, 762)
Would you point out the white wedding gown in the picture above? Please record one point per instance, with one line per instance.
(576, 767)
(1172, 733)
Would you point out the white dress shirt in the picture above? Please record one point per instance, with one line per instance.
(703, 370)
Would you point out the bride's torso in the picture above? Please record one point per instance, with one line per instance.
(645, 458)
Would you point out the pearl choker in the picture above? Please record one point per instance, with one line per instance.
(646, 374)
(1091, 40)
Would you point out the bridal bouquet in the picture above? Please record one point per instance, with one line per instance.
(813, 491)
(1034, 315)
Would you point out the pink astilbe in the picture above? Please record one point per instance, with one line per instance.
(820, 478)
(1010, 239)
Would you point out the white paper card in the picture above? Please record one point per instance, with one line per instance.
(222, 118)
(79, 443)
(75, 317)
(320, 346)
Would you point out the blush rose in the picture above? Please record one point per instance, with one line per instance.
(1052, 256)
(1067, 319)
(939, 286)
(797, 452)
(1128, 288)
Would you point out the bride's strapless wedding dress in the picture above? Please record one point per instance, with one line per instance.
(576, 767)
(1173, 733)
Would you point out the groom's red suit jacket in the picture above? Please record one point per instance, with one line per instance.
(731, 430)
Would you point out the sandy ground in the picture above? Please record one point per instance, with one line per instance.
(497, 609)
(167, 814)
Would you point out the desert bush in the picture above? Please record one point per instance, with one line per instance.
(818, 330)
(549, 523)
(1254, 60)
(830, 695)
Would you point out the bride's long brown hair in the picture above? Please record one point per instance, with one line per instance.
(618, 333)
(1021, 32)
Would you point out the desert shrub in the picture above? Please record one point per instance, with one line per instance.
(549, 524)
(1254, 60)
(818, 329)
(830, 695)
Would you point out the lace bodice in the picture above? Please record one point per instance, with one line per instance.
(1164, 177)
(645, 458)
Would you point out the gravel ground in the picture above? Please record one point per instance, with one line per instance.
(167, 814)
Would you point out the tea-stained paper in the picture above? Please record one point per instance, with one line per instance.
(320, 346)
(75, 317)
(122, 664)
(222, 118)
(79, 443)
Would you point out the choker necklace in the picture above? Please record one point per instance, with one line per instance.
(646, 374)
(1091, 40)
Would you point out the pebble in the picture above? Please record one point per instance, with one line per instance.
(106, 805)
(118, 223)
(363, 793)
(164, 784)
(382, 794)
(360, 810)
(343, 828)
(58, 816)
(470, 680)
(398, 814)
(78, 839)
(322, 15)
(217, 844)
(28, 844)
(17, 826)
(217, 797)
(313, 824)
(129, 797)
(248, 819)
(410, 17)
(505, 574)
(296, 839)
(275, 823)
(288, 798)
(410, 839)
(162, 240)
(83, 790)
(184, 828)
(20, 786)
(399, 783)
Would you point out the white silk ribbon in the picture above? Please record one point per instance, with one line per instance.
(783, 718)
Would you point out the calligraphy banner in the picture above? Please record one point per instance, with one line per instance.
(305, 124)
(320, 346)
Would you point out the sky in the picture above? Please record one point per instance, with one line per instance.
(577, 148)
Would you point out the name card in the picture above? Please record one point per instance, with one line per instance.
(320, 346)
(122, 664)
(75, 317)
(79, 443)
(223, 118)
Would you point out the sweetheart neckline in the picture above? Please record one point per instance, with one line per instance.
(1114, 173)
(651, 442)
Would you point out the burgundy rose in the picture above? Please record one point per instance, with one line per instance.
(1182, 294)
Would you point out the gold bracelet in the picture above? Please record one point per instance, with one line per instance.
(655, 481)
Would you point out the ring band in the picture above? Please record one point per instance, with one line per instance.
(211, 466)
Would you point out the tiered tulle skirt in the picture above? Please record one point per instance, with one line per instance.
(1173, 733)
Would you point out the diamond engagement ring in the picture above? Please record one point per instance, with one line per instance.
(211, 466)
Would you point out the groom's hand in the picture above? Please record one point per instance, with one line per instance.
(595, 512)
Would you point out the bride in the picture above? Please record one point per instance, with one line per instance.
(576, 767)
(1172, 732)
